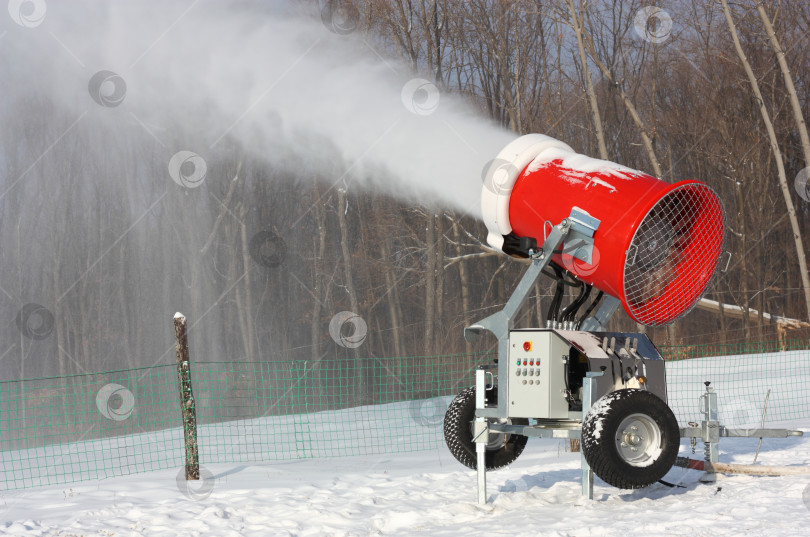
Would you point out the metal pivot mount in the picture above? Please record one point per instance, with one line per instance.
(580, 228)
(502, 322)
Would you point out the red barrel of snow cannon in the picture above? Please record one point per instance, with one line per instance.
(657, 245)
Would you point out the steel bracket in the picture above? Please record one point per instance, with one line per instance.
(710, 431)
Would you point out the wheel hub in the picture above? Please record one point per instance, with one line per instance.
(638, 440)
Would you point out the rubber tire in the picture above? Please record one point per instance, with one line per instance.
(459, 438)
(600, 448)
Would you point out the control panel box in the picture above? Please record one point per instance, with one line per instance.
(537, 374)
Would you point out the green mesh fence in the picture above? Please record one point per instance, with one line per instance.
(93, 426)
(62, 430)
(303, 409)
(59, 430)
(743, 375)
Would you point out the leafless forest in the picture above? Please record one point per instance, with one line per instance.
(261, 259)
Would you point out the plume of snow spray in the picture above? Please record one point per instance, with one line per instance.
(281, 80)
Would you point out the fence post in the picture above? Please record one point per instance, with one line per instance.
(187, 407)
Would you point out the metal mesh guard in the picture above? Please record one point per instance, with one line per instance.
(673, 255)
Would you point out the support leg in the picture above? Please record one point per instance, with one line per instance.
(588, 395)
(711, 431)
(587, 478)
(480, 450)
(481, 435)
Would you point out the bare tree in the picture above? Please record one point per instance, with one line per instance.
(777, 155)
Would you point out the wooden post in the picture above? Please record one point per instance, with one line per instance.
(187, 407)
(780, 334)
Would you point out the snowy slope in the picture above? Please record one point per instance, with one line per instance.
(429, 493)
(423, 494)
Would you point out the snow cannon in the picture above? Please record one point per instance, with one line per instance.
(651, 246)
(656, 249)
(588, 224)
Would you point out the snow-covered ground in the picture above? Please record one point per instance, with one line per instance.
(425, 493)
(429, 493)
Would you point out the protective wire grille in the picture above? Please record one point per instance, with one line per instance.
(673, 255)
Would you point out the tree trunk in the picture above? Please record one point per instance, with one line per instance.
(430, 281)
(777, 155)
(629, 106)
(59, 325)
(319, 246)
(439, 270)
(249, 313)
(240, 304)
(798, 116)
(463, 282)
(350, 289)
(586, 74)
(744, 262)
(393, 310)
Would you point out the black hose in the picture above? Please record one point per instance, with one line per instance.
(671, 485)
(570, 313)
(574, 283)
(591, 307)
(566, 312)
(554, 307)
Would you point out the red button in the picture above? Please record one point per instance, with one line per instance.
(527, 346)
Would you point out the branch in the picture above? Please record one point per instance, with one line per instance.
(738, 311)
(486, 252)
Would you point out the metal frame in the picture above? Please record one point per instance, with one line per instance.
(501, 323)
(481, 435)
(588, 399)
(544, 429)
(710, 431)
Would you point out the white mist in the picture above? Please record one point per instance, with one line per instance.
(271, 78)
